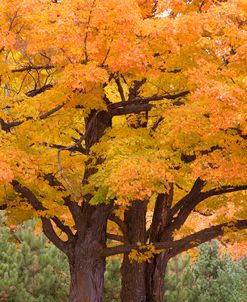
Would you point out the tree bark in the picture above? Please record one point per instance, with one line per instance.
(86, 276)
(155, 271)
(133, 273)
(133, 281)
(87, 267)
(155, 274)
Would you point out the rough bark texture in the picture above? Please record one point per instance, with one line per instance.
(133, 273)
(86, 278)
(86, 265)
(155, 273)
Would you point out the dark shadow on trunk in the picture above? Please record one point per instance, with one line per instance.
(155, 275)
(133, 273)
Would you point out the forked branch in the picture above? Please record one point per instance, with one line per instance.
(178, 246)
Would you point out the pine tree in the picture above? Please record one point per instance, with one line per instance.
(214, 277)
(31, 269)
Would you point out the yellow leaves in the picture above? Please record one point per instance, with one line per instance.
(133, 166)
(144, 253)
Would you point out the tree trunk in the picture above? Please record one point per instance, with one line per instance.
(133, 273)
(155, 274)
(155, 271)
(133, 281)
(87, 267)
(86, 279)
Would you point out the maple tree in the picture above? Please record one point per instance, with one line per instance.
(123, 120)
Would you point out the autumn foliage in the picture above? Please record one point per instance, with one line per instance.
(109, 108)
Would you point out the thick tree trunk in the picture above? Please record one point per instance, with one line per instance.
(86, 265)
(155, 274)
(133, 273)
(86, 279)
(133, 281)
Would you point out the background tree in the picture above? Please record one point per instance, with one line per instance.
(31, 269)
(116, 110)
(213, 277)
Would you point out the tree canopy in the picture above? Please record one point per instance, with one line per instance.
(104, 103)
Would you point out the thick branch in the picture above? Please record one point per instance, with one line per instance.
(37, 205)
(197, 187)
(120, 88)
(52, 236)
(223, 190)
(74, 209)
(131, 109)
(187, 204)
(119, 222)
(181, 245)
(205, 235)
(161, 214)
(139, 100)
(115, 237)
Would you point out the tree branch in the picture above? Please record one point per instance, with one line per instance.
(196, 188)
(161, 214)
(52, 236)
(47, 226)
(119, 222)
(7, 126)
(205, 235)
(30, 67)
(187, 204)
(37, 91)
(120, 88)
(131, 109)
(50, 112)
(223, 190)
(139, 100)
(115, 237)
(178, 246)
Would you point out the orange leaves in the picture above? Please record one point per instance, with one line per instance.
(79, 48)
(82, 77)
(6, 173)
